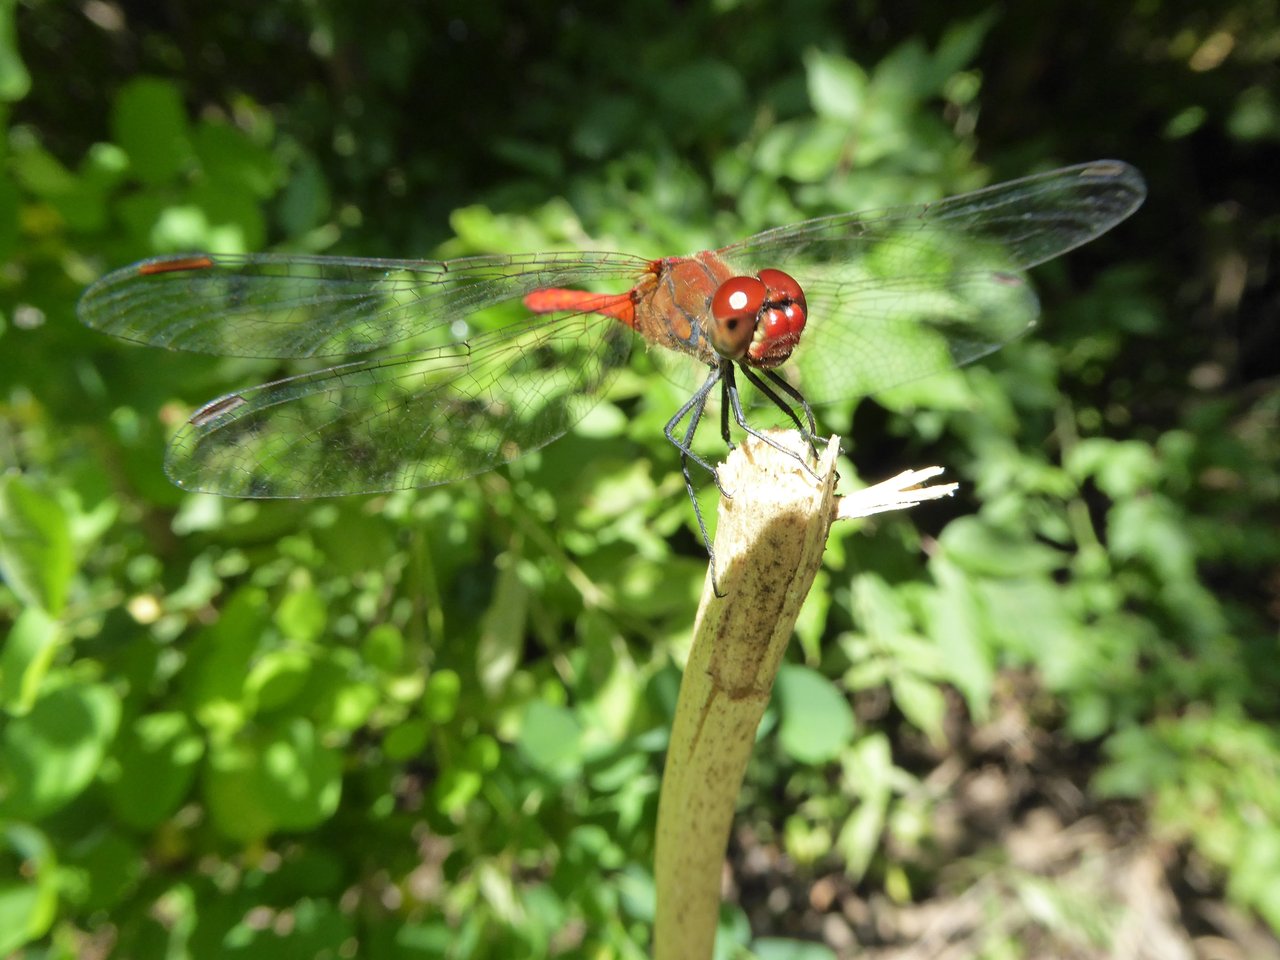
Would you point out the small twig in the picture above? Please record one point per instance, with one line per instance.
(769, 542)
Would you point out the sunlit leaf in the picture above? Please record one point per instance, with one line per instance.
(550, 739)
(28, 651)
(36, 555)
(29, 901)
(150, 123)
(837, 86)
(158, 758)
(775, 948)
(817, 721)
(51, 754)
(15, 81)
(278, 779)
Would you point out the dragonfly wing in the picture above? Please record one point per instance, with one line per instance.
(903, 293)
(1031, 220)
(289, 306)
(876, 335)
(413, 420)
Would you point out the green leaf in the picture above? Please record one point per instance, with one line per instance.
(405, 740)
(817, 721)
(837, 86)
(302, 778)
(29, 904)
(605, 126)
(961, 42)
(956, 626)
(316, 928)
(28, 651)
(305, 200)
(440, 700)
(230, 158)
(50, 755)
(551, 740)
(805, 842)
(776, 948)
(880, 610)
(806, 151)
(383, 647)
(922, 703)
(149, 121)
(1255, 115)
(868, 772)
(277, 677)
(26, 913)
(456, 787)
(1121, 468)
(702, 92)
(39, 172)
(502, 628)
(813, 618)
(107, 867)
(220, 661)
(15, 81)
(903, 77)
(36, 556)
(984, 550)
(1150, 529)
(231, 792)
(157, 761)
(235, 217)
(279, 779)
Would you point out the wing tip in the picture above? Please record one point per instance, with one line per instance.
(1119, 173)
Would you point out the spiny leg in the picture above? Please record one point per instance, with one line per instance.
(727, 370)
(777, 400)
(791, 391)
(693, 496)
(693, 410)
(730, 397)
(810, 434)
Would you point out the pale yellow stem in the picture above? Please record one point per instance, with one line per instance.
(769, 541)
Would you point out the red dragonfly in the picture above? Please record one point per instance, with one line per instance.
(503, 354)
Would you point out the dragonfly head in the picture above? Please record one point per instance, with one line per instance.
(758, 318)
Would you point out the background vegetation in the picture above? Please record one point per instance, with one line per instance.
(1037, 721)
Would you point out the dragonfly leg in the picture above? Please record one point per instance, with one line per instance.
(724, 409)
(811, 433)
(735, 402)
(693, 409)
(787, 388)
(694, 418)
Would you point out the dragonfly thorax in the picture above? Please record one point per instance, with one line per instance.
(758, 319)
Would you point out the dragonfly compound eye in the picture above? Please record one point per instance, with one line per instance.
(782, 319)
(734, 311)
(782, 288)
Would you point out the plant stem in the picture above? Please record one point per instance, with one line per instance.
(769, 542)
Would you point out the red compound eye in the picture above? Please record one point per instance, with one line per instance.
(782, 286)
(781, 320)
(734, 309)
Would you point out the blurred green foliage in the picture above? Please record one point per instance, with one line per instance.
(432, 723)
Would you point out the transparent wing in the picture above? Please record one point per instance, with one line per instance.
(902, 293)
(288, 306)
(414, 420)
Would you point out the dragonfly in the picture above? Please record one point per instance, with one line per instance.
(497, 356)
